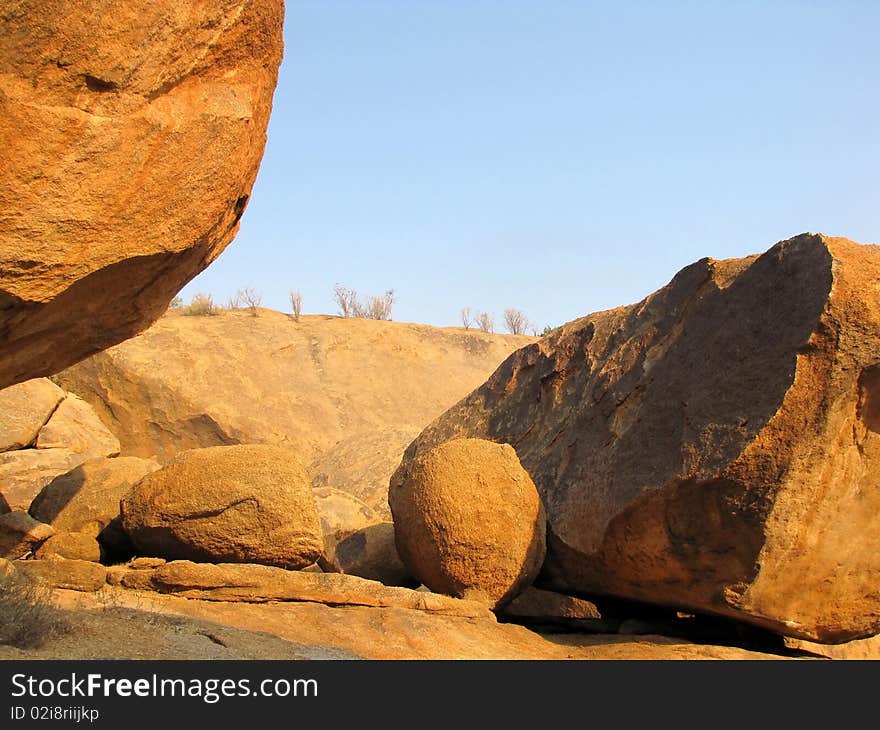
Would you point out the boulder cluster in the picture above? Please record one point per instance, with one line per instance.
(66, 495)
(243, 522)
(61, 478)
(711, 451)
(714, 448)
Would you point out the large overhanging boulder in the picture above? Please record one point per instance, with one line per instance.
(130, 138)
(714, 447)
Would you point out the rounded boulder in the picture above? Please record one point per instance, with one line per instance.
(227, 504)
(469, 521)
(70, 546)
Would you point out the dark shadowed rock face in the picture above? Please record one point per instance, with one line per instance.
(130, 137)
(86, 499)
(714, 446)
(371, 553)
(45, 432)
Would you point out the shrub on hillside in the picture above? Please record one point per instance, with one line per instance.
(246, 298)
(346, 299)
(296, 303)
(376, 307)
(200, 305)
(371, 308)
(516, 321)
(250, 298)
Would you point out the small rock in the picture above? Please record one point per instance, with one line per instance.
(138, 580)
(21, 534)
(75, 426)
(26, 407)
(371, 553)
(534, 603)
(71, 546)
(74, 575)
(146, 563)
(115, 574)
(861, 649)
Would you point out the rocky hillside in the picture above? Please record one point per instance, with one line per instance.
(365, 387)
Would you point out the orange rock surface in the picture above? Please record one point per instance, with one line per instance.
(468, 520)
(715, 446)
(130, 137)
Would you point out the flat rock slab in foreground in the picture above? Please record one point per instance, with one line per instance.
(130, 137)
(75, 575)
(261, 583)
(177, 628)
(715, 446)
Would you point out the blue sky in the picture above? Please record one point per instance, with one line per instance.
(558, 157)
